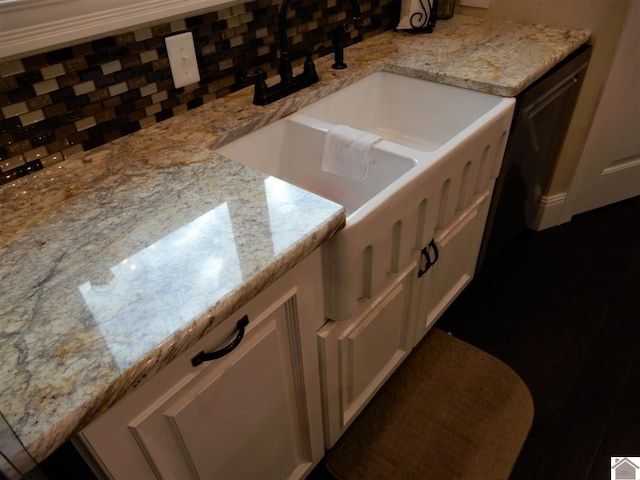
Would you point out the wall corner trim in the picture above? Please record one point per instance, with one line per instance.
(549, 212)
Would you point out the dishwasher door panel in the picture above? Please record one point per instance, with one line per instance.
(540, 123)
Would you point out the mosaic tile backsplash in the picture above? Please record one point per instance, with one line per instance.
(73, 99)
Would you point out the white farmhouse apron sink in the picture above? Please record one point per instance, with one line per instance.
(440, 146)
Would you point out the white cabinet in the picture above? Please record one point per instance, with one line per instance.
(358, 356)
(454, 253)
(254, 413)
(441, 235)
(459, 218)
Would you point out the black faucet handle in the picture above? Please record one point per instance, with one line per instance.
(309, 67)
(259, 75)
(259, 79)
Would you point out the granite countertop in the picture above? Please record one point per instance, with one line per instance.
(117, 260)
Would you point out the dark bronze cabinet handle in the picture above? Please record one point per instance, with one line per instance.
(425, 254)
(205, 357)
(434, 247)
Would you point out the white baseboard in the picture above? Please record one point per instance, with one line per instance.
(549, 212)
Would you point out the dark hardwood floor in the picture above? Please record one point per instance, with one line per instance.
(562, 308)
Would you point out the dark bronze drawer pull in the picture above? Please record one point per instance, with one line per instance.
(205, 357)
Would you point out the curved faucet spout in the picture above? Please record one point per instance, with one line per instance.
(356, 15)
(286, 72)
(289, 84)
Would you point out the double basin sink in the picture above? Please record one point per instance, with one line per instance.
(419, 124)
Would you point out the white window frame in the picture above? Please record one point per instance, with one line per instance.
(38, 25)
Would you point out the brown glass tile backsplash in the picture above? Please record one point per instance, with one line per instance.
(72, 99)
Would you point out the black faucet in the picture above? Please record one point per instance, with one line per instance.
(340, 33)
(286, 73)
(289, 83)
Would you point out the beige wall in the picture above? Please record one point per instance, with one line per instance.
(605, 19)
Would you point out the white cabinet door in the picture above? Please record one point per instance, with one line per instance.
(457, 253)
(245, 406)
(254, 413)
(359, 355)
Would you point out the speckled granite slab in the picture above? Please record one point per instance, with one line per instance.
(496, 57)
(118, 282)
(116, 261)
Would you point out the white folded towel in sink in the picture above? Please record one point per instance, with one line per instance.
(346, 152)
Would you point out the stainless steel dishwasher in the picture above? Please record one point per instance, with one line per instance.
(540, 123)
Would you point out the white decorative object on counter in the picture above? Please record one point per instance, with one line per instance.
(416, 15)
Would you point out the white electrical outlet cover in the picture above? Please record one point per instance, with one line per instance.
(182, 59)
(475, 3)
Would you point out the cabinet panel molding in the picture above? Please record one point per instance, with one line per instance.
(358, 356)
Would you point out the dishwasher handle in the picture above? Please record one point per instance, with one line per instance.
(550, 95)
